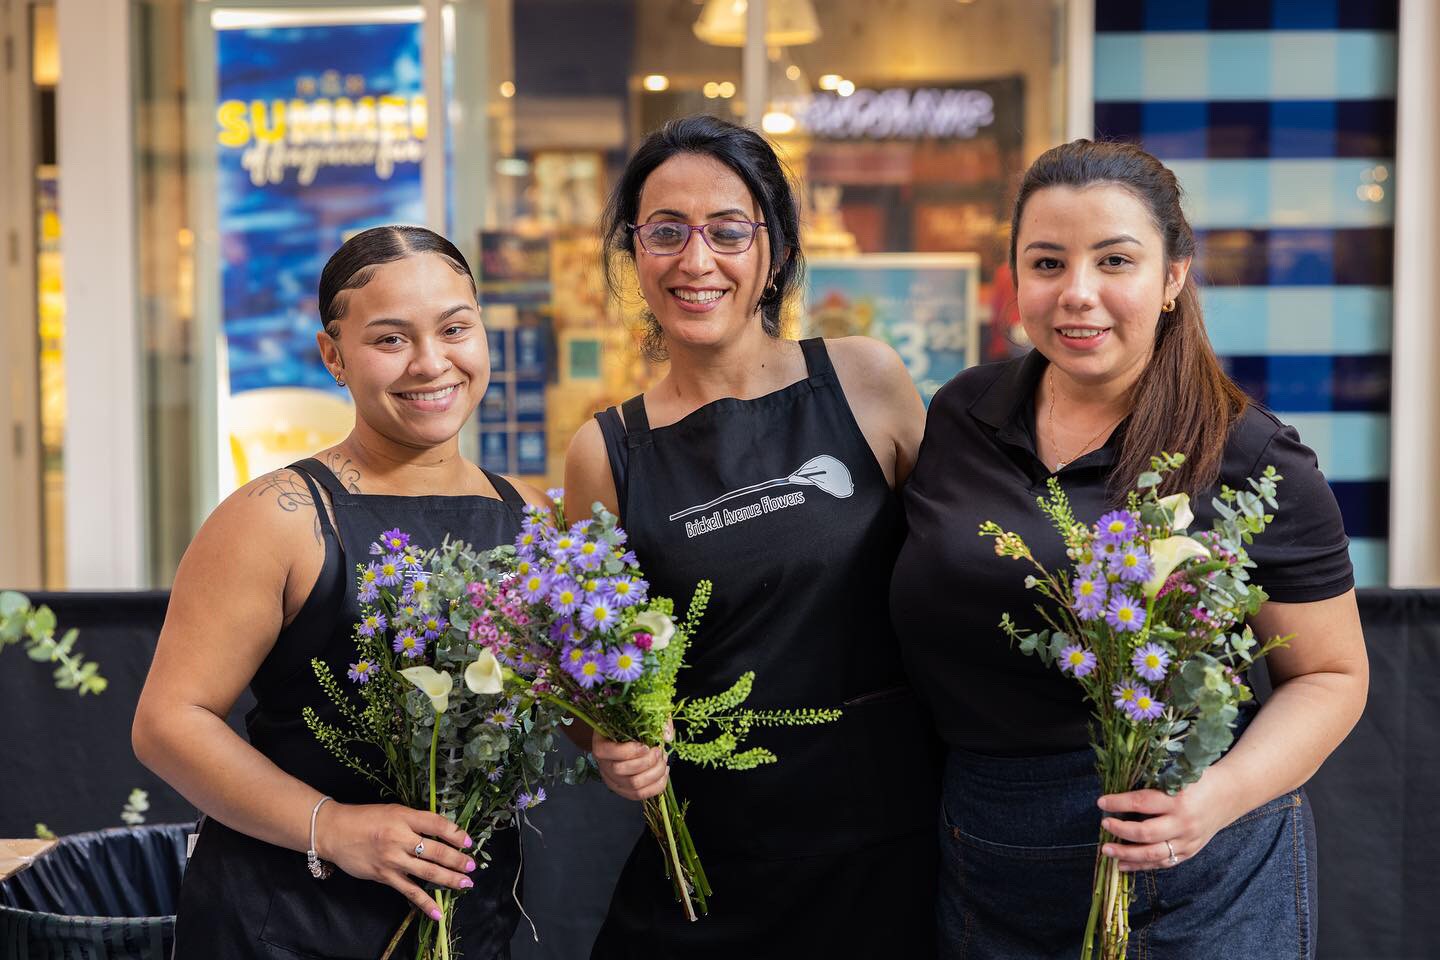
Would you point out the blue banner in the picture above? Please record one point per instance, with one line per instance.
(320, 134)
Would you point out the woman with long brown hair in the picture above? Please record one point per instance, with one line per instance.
(1122, 369)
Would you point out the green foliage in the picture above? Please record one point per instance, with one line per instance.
(43, 832)
(34, 627)
(133, 814)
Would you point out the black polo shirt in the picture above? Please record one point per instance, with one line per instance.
(978, 462)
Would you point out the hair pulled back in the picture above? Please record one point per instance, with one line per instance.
(751, 157)
(1187, 401)
(352, 266)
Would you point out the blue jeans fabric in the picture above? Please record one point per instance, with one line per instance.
(1018, 837)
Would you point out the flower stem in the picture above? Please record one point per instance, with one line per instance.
(681, 882)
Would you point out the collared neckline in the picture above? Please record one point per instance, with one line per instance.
(1008, 405)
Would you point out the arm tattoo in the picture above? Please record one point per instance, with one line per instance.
(291, 494)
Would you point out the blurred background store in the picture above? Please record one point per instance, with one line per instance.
(177, 171)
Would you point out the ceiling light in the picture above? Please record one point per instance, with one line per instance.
(777, 122)
(788, 23)
(656, 82)
(845, 88)
(829, 81)
(507, 89)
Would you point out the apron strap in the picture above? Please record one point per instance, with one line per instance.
(618, 452)
(507, 491)
(637, 422)
(311, 470)
(817, 359)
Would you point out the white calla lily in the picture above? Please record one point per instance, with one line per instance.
(660, 627)
(1179, 506)
(485, 675)
(435, 684)
(1168, 554)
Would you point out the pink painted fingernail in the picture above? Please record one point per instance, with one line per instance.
(435, 914)
(466, 884)
(468, 841)
(469, 866)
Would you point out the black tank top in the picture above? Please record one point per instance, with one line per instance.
(242, 897)
(779, 501)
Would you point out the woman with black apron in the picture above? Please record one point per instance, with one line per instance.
(269, 584)
(769, 468)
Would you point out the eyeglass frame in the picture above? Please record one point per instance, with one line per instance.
(699, 228)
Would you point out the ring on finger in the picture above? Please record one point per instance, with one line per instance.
(1173, 859)
(420, 849)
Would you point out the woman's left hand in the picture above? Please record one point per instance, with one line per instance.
(1187, 820)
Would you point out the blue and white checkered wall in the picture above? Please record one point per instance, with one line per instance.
(1278, 117)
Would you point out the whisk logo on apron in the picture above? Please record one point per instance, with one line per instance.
(824, 473)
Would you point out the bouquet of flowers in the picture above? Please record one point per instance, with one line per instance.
(1151, 623)
(576, 628)
(432, 703)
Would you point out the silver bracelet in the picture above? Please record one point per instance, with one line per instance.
(319, 869)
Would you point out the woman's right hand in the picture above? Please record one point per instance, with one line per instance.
(377, 842)
(631, 769)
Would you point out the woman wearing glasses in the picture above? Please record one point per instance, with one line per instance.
(824, 853)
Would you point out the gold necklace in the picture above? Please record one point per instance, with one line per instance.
(1050, 418)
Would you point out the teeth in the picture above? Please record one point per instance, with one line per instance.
(1080, 334)
(699, 296)
(433, 395)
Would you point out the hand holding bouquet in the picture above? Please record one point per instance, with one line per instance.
(1150, 621)
(578, 628)
(432, 704)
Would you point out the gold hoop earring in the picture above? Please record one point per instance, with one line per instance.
(1168, 306)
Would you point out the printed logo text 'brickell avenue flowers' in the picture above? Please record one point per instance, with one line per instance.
(823, 472)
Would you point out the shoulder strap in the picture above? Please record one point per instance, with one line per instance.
(507, 491)
(311, 470)
(617, 450)
(817, 358)
(637, 421)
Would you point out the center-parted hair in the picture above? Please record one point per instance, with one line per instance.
(1186, 401)
(352, 266)
(751, 157)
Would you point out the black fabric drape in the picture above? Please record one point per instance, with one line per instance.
(67, 761)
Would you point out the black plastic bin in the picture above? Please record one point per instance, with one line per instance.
(97, 896)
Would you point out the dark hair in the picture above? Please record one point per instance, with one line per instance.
(1189, 403)
(753, 160)
(352, 266)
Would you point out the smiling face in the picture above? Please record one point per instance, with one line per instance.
(1091, 280)
(699, 297)
(412, 351)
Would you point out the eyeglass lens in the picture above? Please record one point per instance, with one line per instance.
(723, 236)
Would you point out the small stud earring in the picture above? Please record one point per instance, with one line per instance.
(1168, 306)
(339, 381)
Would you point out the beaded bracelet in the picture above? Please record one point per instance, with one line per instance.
(319, 869)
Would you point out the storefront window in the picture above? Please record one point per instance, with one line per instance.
(268, 134)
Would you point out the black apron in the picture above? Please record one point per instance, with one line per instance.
(830, 851)
(244, 898)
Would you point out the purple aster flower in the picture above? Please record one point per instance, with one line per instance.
(564, 545)
(362, 672)
(409, 645)
(412, 561)
(570, 659)
(1077, 660)
(494, 774)
(1144, 706)
(589, 555)
(535, 586)
(434, 625)
(394, 540)
(625, 664)
(589, 671)
(371, 624)
(565, 595)
(598, 615)
(1091, 570)
(502, 716)
(388, 572)
(555, 493)
(1150, 662)
(562, 631)
(625, 591)
(1090, 593)
(1125, 614)
(1124, 694)
(628, 558)
(369, 592)
(527, 800)
(1132, 564)
(1117, 527)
